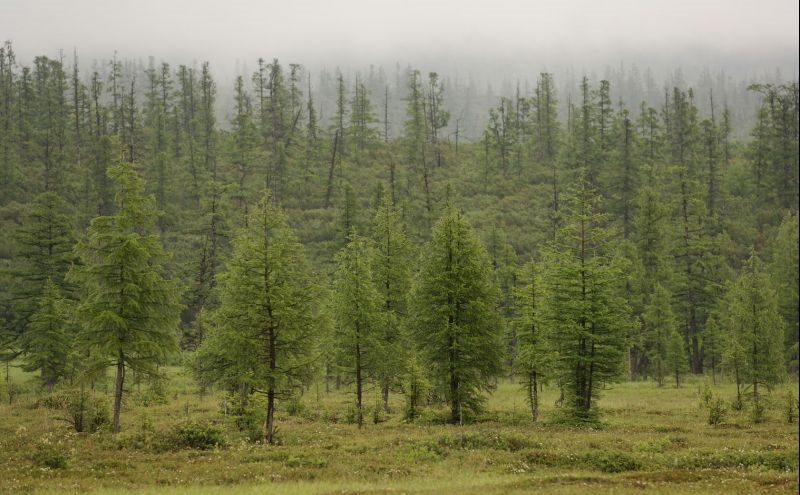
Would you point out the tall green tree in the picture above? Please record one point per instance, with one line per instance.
(585, 311)
(358, 317)
(265, 328)
(457, 326)
(535, 356)
(753, 316)
(47, 340)
(660, 322)
(129, 310)
(391, 269)
(785, 274)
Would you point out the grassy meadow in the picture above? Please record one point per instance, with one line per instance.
(652, 440)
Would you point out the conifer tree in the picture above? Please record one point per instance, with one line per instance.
(129, 311)
(752, 314)
(785, 273)
(47, 342)
(358, 318)
(676, 358)
(535, 356)
(660, 323)
(584, 311)
(264, 332)
(391, 270)
(45, 243)
(457, 326)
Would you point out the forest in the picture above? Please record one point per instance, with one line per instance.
(340, 264)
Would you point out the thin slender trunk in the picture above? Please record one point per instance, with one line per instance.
(119, 382)
(359, 384)
(533, 395)
(268, 421)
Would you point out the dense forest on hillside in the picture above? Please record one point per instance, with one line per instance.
(576, 240)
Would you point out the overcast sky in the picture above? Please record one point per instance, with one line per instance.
(583, 33)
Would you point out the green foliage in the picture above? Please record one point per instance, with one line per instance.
(129, 311)
(391, 269)
(535, 355)
(716, 411)
(415, 388)
(197, 435)
(584, 311)
(456, 325)
(784, 269)
(754, 346)
(263, 333)
(661, 331)
(47, 339)
(50, 456)
(676, 360)
(356, 306)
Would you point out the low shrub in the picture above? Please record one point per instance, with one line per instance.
(50, 456)
(87, 412)
(716, 411)
(609, 461)
(196, 435)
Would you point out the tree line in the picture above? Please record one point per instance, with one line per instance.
(281, 248)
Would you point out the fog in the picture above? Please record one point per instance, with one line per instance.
(502, 39)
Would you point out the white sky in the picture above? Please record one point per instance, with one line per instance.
(331, 32)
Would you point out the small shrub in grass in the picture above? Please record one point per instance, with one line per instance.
(55, 400)
(758, 411)
(52, 456)
(154, 394)
(716, 411)
(609, 461)
(196, 435)
(294, 407)
(791, 407)
(351, 414)
(378, 413)
(706, 395)
(655, 446)
(87, 412)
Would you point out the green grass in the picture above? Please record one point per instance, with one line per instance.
(652, 439)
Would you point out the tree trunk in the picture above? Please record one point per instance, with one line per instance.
(385, 396)
(533, 395)
(359, 417)
(268, 421)
(119, 382)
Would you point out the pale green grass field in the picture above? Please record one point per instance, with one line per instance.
(653, 440)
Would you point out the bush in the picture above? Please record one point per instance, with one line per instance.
(196, 435)
(611, 462)
(54, 400)
(87, 412)
(50, 456)
(154, 394)
(758, 413)
(294, 407)
(716, 411)
(791, 407)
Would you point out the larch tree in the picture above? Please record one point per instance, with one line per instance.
(754, 318)
(676, 358)
(47, 340)
(391, 269)
(457, 325)
(535, 356)
(129, 311)
(264, 331)
(357, 306)
(659, 320)
(587, 315)
(785, 273)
